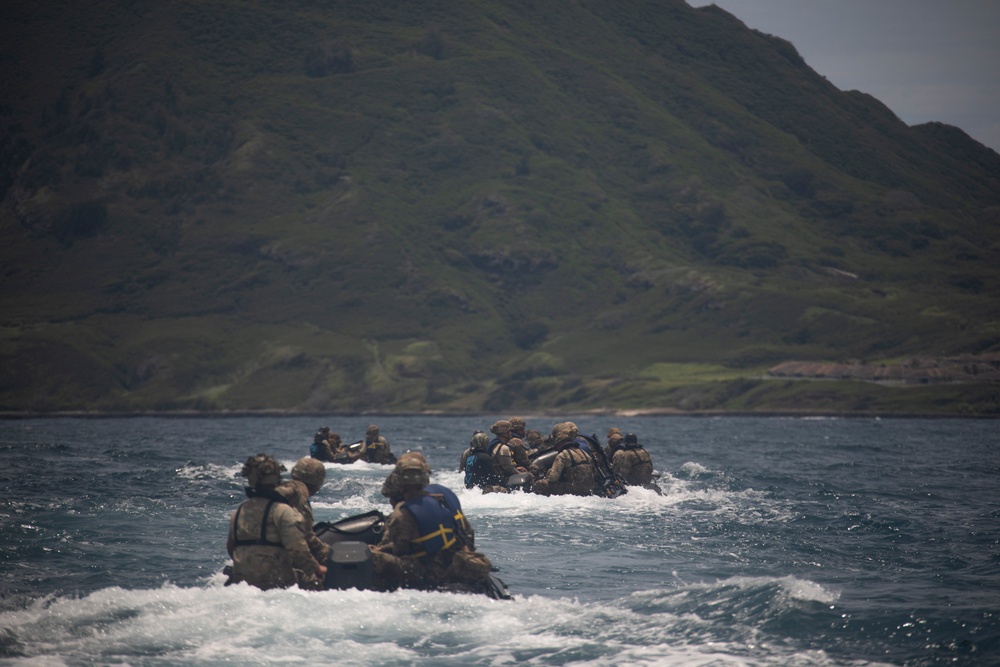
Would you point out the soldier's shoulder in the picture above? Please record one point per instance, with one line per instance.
(293, 491)
(282, 512)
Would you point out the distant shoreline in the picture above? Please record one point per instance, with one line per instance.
(625, 413)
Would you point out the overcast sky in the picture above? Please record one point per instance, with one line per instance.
(927, 60)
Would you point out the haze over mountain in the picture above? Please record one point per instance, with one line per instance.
(520, 205)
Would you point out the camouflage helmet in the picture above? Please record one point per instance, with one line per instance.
(262, 470)
(614, 430)
(416, 456)
(413, 470)
(334, 438)
(501, 427)
(392, 487)
(533, 438)
(480, 441)
(517, 424)
(372, 431)
(310, 472)
(564, 431)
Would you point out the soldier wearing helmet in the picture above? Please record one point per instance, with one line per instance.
(325, 445)
(632, 462)
(572, 470)
(533, 440)
(308, 476)
(267, 537)
(423, 534)
(615, 439)
(479, 466)
(516, 443)
(503, 456)
(376, 448)
(391, 487)
(541, 458)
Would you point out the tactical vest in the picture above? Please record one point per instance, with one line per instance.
(452, 502)
(261, 539)
(641, 454)
(578, 457)
(435, 522)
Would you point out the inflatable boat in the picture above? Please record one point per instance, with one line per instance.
(354, 452)
(350, 563)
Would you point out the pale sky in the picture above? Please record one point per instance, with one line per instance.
(927, 60)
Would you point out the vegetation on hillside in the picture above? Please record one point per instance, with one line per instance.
(488, 205)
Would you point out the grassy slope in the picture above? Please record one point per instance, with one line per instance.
(343, 206)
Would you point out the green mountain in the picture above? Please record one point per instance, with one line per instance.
(491, 205)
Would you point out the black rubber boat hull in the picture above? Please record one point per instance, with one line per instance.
(350, 562)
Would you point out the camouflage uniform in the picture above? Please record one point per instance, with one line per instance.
(279, 558)
(336, 445)
(518, 447)
(321, 448)
(296, 492)
(534, 441)
(633, 463)
(572, 471)
(376, 448)
(541, 464)
(614, 442)
(392, 488)
(503, 456)
(398, 558)
(518, 452)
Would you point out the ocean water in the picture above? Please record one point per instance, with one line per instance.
(776, 541)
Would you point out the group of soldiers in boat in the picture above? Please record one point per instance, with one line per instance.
(564, 463)
(374, 448)
(426, 542)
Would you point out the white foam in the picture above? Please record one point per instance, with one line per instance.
(242, 625)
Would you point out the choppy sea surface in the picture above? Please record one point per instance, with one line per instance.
(777, 541)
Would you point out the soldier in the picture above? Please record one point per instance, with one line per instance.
(376, 448)
(503, 458)
(465, 454)
(572, 470)
(307, 479)
(518, 447)
(541, 458)
(534, 441)
(321, 449)
(391, 487)
(633, 463)
(480, 469)
(614, 442)
(337, 447)
(426, 543)
(267, 537)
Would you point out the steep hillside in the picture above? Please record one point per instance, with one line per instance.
(487, 205)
